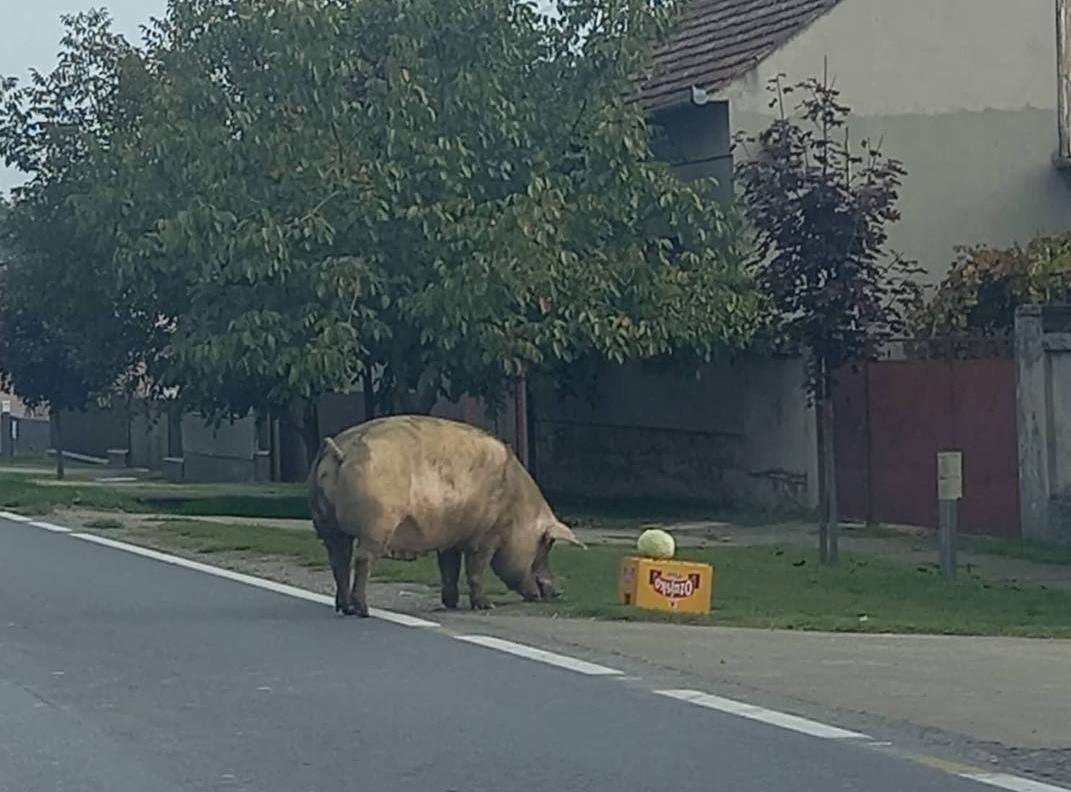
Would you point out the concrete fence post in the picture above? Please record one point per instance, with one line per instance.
(949, 494)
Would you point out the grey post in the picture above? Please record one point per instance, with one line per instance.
(949, 494)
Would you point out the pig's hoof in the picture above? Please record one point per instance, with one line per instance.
(482, 603)
(345, 608)
(451, 598)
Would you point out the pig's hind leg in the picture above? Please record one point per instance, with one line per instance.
(476, 563)
(450, 574)
(339, 548)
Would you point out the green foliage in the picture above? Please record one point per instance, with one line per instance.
(820, 207)
(986, 284)
(68, 332)
(441, 194)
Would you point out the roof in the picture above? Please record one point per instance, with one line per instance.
(719, 41)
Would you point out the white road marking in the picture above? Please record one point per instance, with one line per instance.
(539, 655)
(772, 717)
(49, 526)
(249, 580)
(404, 619)
(15, 517)
(1013, 783)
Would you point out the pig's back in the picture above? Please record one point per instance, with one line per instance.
(446, 477)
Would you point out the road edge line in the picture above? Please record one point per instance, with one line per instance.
(18, 518)
(538, 655)
(47, 526)
(770, 717)
(1012, 783)
(402, 619)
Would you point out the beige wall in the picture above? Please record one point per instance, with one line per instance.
(963, 92)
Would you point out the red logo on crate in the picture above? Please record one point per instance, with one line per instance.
(674, 586)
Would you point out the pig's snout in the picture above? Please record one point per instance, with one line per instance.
(548, 588)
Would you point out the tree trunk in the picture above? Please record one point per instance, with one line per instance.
(369, 395)
(60, 468)
(823, 488)
(520, 421)
(832, 512)
(310, 431)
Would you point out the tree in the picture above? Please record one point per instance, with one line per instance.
(986, 284)
(819, 208)
(68, 332)
(434, 196)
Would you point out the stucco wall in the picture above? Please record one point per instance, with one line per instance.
(962, 91)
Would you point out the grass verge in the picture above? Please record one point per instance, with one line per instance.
(28, 493)
(19, 492)
(1038, 552)
(765, 587)
(786, 588)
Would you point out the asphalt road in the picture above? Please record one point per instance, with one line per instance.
(123, 674)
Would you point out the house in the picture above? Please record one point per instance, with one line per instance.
(968, 94)
(974, 97)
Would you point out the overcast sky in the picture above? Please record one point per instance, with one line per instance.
(30, 31)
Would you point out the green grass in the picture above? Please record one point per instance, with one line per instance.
(785, 588)
(207, 538)
(285, 507)
(765, 587)
(1037, 552)
(19, 492)
(29, 493)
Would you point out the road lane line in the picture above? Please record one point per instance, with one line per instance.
(772, 717)
(49, 526)
(19, 518)
(238, 577)
(1012, 783)
(539, 655)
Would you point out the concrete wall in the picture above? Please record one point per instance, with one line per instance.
(22, 436)
(95, 431)
(149, 437)
(1043, 357)
(962, 91)
(736, 434)
(223, 453)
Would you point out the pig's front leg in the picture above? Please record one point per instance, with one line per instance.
(476, 563)
(450, 573)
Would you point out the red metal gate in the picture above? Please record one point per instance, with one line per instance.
(892, 417)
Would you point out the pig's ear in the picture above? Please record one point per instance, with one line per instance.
(560, 532)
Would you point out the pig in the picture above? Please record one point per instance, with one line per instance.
(410, 485)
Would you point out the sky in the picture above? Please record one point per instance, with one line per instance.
(30, 31)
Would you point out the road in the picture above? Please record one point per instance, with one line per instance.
(122, 674)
